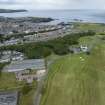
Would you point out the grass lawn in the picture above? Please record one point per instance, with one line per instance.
(89, 40)
(77, 79)
(90, 26)
(86, 40)
(28, 99)
(8, 82)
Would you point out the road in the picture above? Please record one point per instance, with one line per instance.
(38, 92)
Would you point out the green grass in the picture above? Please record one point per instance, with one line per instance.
(77, 80)
(86, 40)
(27, 99)
(90, 40)
(8, 82)
(90, 26)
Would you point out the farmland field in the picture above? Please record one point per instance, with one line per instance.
(77, 79)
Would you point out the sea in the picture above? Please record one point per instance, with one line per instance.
(92, 16)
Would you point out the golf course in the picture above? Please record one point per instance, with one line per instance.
(77, 79)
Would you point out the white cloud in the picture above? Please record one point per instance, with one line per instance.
(53, 4)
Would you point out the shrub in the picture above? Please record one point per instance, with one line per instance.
(26, 89)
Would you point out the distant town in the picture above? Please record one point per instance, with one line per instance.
(30, 29)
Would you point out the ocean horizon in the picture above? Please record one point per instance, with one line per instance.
(94, 16)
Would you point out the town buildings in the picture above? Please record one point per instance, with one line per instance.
(8, 56)
(27, 70)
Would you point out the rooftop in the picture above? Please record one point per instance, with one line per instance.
(36, 64)
(8, 98)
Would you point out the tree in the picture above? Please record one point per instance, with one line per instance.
(1, 67)
(26, 89)
(46, 52)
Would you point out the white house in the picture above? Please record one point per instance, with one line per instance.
(8, 56)
(31, 37)
(84, 48)
(17, 56)
(6, 52)
(5, 59)
(11, 42)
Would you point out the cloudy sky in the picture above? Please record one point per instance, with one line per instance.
(53, 4)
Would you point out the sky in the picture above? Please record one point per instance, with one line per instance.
(52, 4)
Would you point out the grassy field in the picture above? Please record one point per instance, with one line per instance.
(77, 79)
(86, 40)
(28, 99)
(8, 82)
(89, 26)
(89, 40)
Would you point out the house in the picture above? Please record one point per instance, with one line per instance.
(26, 75)
(17, 56)
(84, 48)
(8, 56)
(27, 31)
(75, 50)
(31, 37)
(11, 42)
(6, 52)
(5, 59)
(27, 70)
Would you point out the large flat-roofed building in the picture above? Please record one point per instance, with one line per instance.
(34, 64)
(8, 98)
(27, 70)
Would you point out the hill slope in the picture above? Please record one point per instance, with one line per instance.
(77, 80)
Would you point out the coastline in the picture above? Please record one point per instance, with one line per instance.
(12, 11)
(91, 16)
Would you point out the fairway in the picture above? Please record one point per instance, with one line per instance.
(77, 80)
(90, 26)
